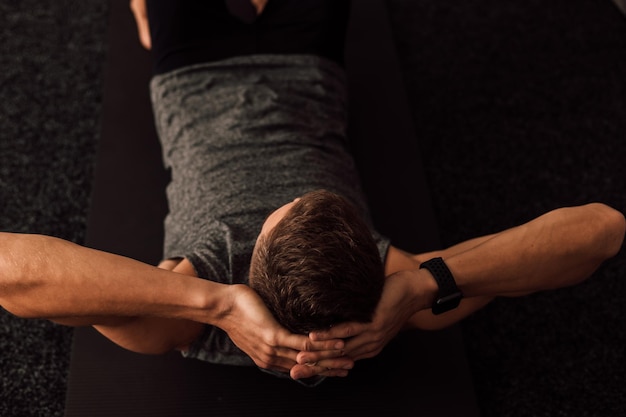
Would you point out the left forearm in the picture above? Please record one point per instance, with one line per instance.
(558, 249)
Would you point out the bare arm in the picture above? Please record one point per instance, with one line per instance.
(45, 277)
(560, 248)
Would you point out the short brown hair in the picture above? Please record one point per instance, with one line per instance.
(319, 265)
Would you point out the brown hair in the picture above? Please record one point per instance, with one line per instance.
(319, 265)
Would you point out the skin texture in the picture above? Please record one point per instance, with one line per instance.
(559, 249)
(153, 310)
(141, 307)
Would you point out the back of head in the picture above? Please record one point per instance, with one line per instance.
(319, 265)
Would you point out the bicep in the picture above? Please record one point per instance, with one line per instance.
(399, 260)
(454, 249)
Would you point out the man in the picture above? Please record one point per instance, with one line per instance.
(244, 134)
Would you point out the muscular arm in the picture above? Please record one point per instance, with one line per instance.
(45, 277)
(560, 248)
(138, 306)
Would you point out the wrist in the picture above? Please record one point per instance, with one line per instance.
(424, 289)
(448, 294)
(208, 302)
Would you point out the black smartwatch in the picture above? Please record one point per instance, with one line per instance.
(449, 295)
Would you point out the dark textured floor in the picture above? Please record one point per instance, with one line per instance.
(521, 108)
(51, 57)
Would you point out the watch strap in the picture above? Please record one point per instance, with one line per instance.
(449, 295)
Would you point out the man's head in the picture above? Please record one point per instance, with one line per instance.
(316, 264)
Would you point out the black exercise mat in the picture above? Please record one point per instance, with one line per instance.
(420, 373)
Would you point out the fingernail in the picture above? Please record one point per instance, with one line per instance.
(338, 345)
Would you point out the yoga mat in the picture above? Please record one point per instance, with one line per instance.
(418, 374)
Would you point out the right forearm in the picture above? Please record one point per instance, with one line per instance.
(558, 249)
(45, 277)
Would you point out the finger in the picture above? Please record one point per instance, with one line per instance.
(335, 372)
(343, 363)
(300, 343)
(360, 350)
(333, 345)
(356, 348)
(139, 10)
(279, 364)
(283, 358)
(340, 331)
(305, 357)
(308, 371)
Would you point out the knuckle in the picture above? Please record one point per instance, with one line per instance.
(307, 345)
(348, 330)
(271, 342)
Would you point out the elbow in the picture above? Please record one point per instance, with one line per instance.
(18, 309)
(619, 230)
(613, 227)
